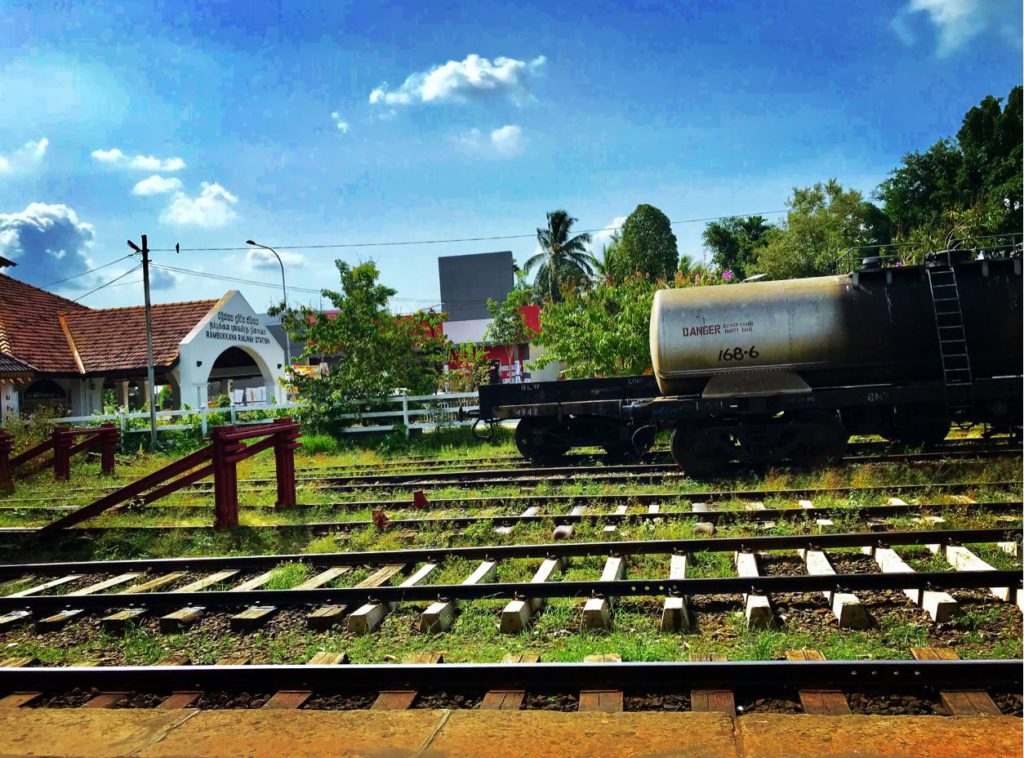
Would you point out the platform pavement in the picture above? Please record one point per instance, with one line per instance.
(435, 733)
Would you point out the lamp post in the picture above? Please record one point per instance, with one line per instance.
(284, 289)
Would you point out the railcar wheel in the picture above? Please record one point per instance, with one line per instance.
(695, 452)
(536, 439)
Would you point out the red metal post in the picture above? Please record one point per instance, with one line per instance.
(285, 442)
(62, 442)
(108, 440)
(225, 478)
(6, 476)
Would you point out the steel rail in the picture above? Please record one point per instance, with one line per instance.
(601, 474)
(624, 468)
(773, 676)
(536, 550)
(533, 476)
(716, 517)
(653, 456)
(356, 596)
(638, 497)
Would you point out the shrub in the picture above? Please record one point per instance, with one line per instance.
(319, 444)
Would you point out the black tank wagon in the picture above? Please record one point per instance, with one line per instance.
(762, 372)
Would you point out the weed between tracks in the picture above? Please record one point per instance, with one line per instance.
(984, 628)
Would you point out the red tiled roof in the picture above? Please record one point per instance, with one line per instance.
(30, 329)
(113, 339)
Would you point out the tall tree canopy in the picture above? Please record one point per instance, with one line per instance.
(734, 242)
(563, 260)
(962, 187)
(825, 223)
(646, 246)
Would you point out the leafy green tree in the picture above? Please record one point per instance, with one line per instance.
(734, 242)
(370, 353)
(920, 191)
(508, 326)
(601, 332)
(563, 261)
(472, 371)
(970, 186)
(647, 246)
(826, 226)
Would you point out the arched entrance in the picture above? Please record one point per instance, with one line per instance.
(44, 393)
(239, 377)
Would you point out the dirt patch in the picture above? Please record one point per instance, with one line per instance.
(558, 702)
(656, 702)
(878, 704)
(749, 704)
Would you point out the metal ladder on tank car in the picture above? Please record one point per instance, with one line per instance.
(949, 322)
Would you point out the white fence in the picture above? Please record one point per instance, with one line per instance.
(441, 410)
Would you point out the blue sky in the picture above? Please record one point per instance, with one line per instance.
(296, 123)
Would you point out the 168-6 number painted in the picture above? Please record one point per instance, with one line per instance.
(737, 353)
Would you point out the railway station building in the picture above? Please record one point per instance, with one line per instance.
(58, 353)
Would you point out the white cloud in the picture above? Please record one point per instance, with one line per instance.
(508, 140)
(27, 156)
(114, 157)
(258, 258)
(340, 123)
(957, 22)
(48, 242)
(504, 142)
(459, 81)
(600, 240)
(156, 185)
(212, 208)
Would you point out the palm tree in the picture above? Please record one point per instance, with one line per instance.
(563, 259)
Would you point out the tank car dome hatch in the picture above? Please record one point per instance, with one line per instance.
(871, 263)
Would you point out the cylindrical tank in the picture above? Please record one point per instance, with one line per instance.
(873, 326)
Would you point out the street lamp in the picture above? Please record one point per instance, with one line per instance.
(284, 289)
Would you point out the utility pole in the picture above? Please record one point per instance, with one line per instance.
(150, 379)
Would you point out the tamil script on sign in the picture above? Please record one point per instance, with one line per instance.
(237, 327)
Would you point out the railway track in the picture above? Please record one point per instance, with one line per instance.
(818, 686)
(128, 590)
(656, 455)
(871, 514)
(636, 497)
(525, 477)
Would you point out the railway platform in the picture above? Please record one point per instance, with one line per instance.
(423, 733)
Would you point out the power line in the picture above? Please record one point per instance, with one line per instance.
(271, 285)
(84, 273)
(107, 284)
(222, 277)
(447, 241)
